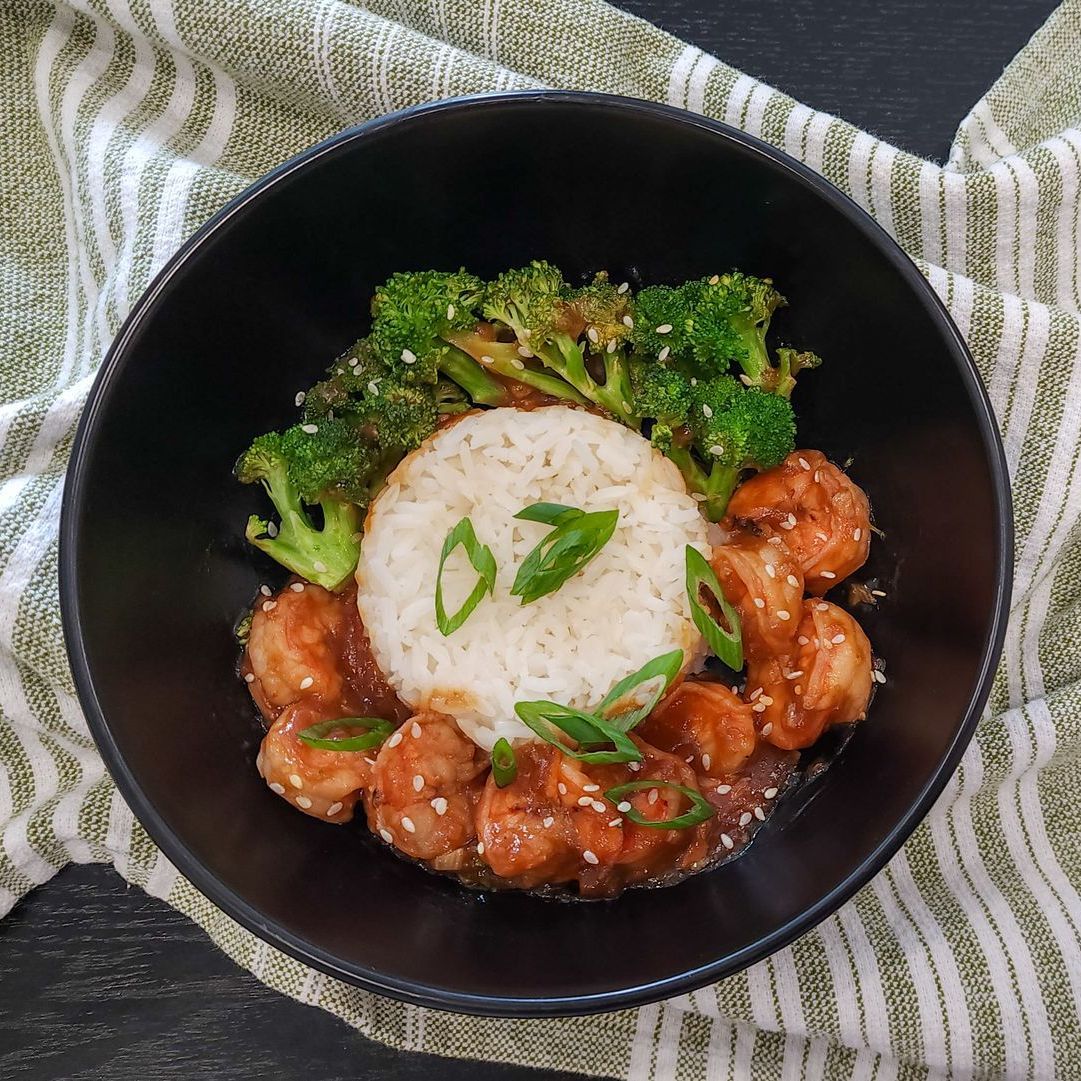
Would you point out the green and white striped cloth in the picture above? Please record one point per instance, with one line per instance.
(127, 123)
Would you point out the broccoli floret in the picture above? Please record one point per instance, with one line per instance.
(348, 378)
(664, 394)
(548, 320)
(327, 555)
(790, 363)
(662, 317)
(450, 398)
(412, 315)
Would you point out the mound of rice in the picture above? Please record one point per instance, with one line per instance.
(628, 606)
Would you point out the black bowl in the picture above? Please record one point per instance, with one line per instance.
(154, 568)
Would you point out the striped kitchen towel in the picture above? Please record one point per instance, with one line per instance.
(128, 122)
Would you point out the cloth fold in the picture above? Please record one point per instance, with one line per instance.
(129, 122)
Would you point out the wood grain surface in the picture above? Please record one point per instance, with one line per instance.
(99, 981)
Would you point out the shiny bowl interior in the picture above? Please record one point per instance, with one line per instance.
(154, 568)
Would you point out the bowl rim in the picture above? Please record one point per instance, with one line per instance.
(416, 992)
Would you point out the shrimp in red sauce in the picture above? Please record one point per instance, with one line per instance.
(760, 577)
(826, 681)
(426, 781)
(820, 514)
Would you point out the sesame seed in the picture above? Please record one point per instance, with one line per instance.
(562, 788)
(745, 818)
(827, 574)
(793, 581)
(723, 789)
(879, 677)
(486, 360)
(707, 761)
(269, 606)
(652, 797)
(584, 801)
(759, 707)
(769, 793)
(598, 807)
(592, 335)
(767, 728)
(716, 449)
(663, 355)
(523, 352)
(715, 279)
(439, 805)
(770, 571)
(822, 606)
(760, 814)
(354, 361)
(303, 801)
(727, 841)
(611, 346)
(786, 524)
(387, 836)
(333, 809)
(590, 857)
(765, 700)
(623, 806)
(249, 677)
(664, 328)
(759, 602)
(407, 825)
(450, 311)
(707, 412)
(591, 788)
(838, 639)
(414, 730)
(794, 675)
(745, 380)
(373, 387)
(265, 590)
(616, 822)
(877, 593)
(818, 476)
(394, 740)
(798, 689)
(418, 782)
(783, 615)
(634, 767)
(370, 761)
(804, 464)
(628, 321)
(821, 536)
(519, 365)
(297, 587)
(548, 822)
(803, 639)
(295, 780)
(319, 566)
(408, 356)
(756, 692)
(623, 288)
(277, 789)
(309, 429)
(626, 406)
(857, 533)
(698, 497)
(306, 682)
(299, 399)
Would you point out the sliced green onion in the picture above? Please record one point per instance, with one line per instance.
(480, 556)
(563, 553)
(375, 731)
(549, 513)
(584, 728)
(504, 763)
(725, 642)
(699, 812)
(667, 665)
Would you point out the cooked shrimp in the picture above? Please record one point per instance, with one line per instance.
(535, 830)
(424, 786)
(821, 516)
(707, 721)
(765, 583)
(324, 784)
(291, 647)
(826, 681)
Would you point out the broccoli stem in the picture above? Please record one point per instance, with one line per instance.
(755, 360)
(617, 394)
(473, 379)
(717, 485)
(325, 556)
(502, 356)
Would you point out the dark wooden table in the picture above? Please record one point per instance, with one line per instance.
(99, 981)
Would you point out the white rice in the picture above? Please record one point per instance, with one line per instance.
(626, 607)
